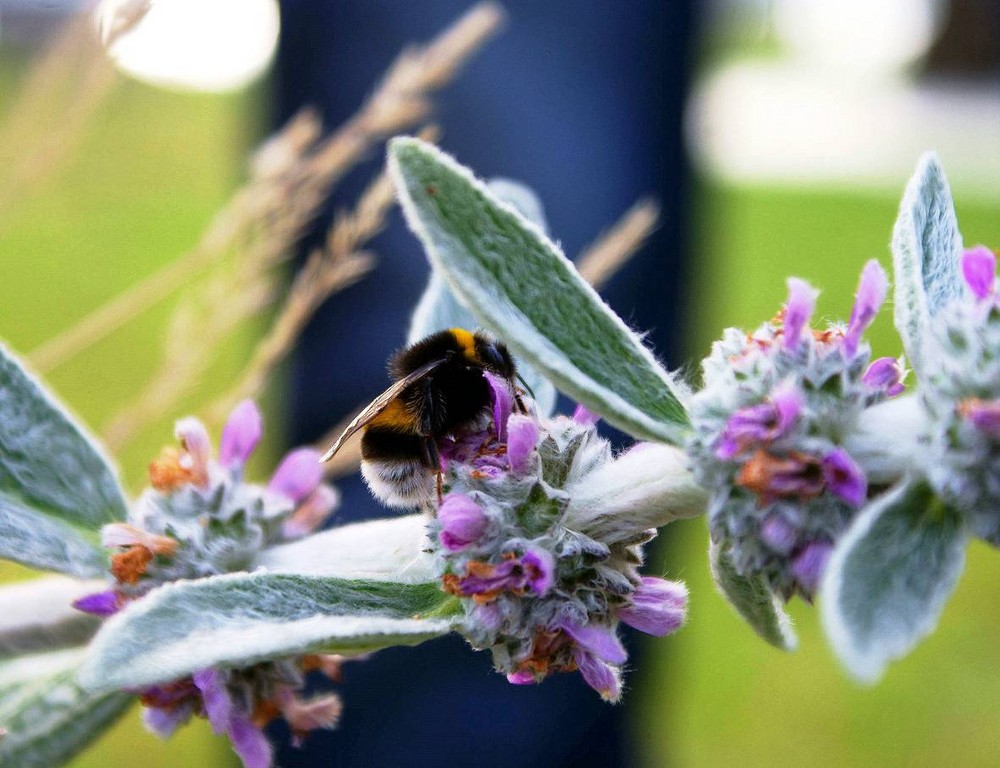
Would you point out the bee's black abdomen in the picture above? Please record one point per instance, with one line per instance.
(390, 444)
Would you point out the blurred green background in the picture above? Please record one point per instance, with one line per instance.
(142, 183)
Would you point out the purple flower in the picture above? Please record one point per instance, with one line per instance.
(602, 677)
(597, 639)
(503, 403)
(984, 415)
(240, 435)
(249, 742)
(100, 603)
(979, 267)
(809, 564)
(541, 568)
(462, 521)
(215, 698)
(868, 300)
(534, 570)
(798, 310)
(778, 534)
(772, 477)
(885, 375)
(583, 415)
(760, 423)
(522, 437)
(658, 608)
(298, 475)
(843, 477)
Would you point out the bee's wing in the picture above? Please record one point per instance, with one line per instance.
(376, 406)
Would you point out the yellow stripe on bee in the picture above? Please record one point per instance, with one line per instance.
(466, 341)
(394, 416)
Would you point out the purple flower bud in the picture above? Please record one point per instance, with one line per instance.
(215, 698)
(583, 415)
(868, 300)
(798, 310)
(658, 608)
(809, 564)
(979, 267)
(522, 437)
(778, 534)
(249, 742)
(760, 423)
(984, 415)
(240, 435)
(603, 678)
(298, 475)
(462, 521)
(100, 603)
(599, 640)
(885, 375)
(843, 477)
(522, 677)
(503, 403)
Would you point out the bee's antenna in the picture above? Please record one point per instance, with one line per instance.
(525, 385)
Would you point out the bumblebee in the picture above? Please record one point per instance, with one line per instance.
(439, 390)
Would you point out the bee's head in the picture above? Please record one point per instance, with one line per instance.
(493, 356)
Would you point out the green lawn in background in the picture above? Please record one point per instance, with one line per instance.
(715, 694)
(146, 178)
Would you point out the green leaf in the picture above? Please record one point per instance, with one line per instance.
(751, 598)
(241, 619)
(926, 252)
(890, 576)
(438, 308)
(56, 486)
(522, 289)
(48, 717)
(38, 615)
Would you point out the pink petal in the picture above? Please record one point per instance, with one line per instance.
(659, 607)
(603, 678)
(462, 521)
(798, 310)
(871, 293)
(298, 475)
(503, 403)
(312, 513)
(100, 603)
(979, 267)
(240, 435)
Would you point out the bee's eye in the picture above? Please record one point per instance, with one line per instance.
(496, 358)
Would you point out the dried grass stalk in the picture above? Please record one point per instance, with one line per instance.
(292, 177)
(603, 258)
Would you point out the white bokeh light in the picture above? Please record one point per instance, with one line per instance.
(858, 35)
(203, 45)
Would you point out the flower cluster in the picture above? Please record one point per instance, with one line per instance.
(540, 534)
(199, 519)
(770, 429)
(961, 396)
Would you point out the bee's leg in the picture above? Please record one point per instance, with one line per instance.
(430, 411)
(519, 405)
